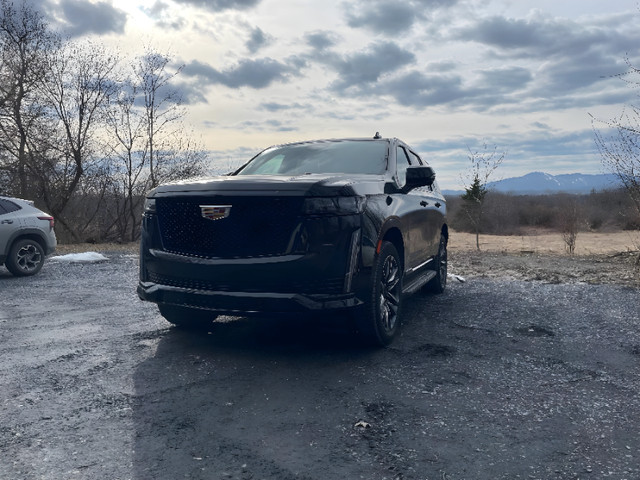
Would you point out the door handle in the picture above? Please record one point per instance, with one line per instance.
(6, 221)
(423, 203)
(438, 204)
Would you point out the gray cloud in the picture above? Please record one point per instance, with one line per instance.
(419, 90)
(392, 17)
(190, 93)
(157, 9)
(158, 12)
(257, 40)
(278, 107)
(246, 73)
(541, 37)
(367, 67)
(389, 17)
(219, 5)
(82, 17)
(321, 40)
(507, 78)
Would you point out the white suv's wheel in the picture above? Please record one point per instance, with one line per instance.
(26, 257)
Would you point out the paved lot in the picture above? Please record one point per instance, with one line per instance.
(495, 379)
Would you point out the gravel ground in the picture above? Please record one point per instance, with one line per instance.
(527, 370)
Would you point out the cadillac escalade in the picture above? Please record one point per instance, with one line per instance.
(345, 226)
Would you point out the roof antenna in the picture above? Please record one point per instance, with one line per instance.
(377, 136)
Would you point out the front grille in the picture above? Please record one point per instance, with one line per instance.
(283, 285)
(256, 226)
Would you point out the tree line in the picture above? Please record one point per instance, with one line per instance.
(507, 214)
(85, 133)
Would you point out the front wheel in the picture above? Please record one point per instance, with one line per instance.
(26, 257)
(188, 318)
(379, 318)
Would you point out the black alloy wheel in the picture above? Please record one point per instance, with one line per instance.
(379, 319)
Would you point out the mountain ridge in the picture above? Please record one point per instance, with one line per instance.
(541, 183)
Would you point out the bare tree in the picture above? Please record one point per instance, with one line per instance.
(25, 42)
(78, 88)
(161, 105)
(148, 143)
(571, 219)
(620, 150)
(483, 164)
(55, 100)
(619, 144)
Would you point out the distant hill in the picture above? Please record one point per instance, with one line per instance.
(539, 183)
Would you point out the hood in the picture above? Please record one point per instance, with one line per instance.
(314, 185)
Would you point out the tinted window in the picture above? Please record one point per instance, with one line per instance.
(7, 207)
(352, 156)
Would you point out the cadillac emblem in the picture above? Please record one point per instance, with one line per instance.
(215, 212)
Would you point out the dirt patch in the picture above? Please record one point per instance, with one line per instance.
(618, 269)
(599, 259)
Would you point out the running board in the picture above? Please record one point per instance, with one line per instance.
(419, 282)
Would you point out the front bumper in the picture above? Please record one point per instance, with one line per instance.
(320, 269)
(245, 303)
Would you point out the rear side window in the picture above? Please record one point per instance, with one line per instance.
(7, 207)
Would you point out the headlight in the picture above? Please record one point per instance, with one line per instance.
(149, 205)
(333, 205)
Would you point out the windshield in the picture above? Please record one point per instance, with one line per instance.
(348, 156)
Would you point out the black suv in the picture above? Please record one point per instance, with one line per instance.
(320, 226)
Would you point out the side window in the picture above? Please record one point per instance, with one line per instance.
(402, 162)
(415, 160)
(7, 207)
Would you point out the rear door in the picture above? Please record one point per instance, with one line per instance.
(9, 222)
(434, 212)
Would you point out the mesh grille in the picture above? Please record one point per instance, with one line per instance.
(256, 226)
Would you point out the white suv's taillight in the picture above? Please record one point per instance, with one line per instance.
(51, 221)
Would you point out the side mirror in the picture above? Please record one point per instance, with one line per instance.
(419, 177)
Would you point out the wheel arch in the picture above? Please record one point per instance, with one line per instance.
(27, 235)
(394, 236)
(445, 231)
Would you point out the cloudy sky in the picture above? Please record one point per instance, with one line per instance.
(446, 76)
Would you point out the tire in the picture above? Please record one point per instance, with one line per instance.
(26, 257)
(438, 283)
(187, 318)
(378, 320)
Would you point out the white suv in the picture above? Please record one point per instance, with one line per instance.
(26, 236)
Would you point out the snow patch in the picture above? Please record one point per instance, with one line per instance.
(456, 277)
(86, 257)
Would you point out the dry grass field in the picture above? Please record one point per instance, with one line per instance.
(587, 243)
